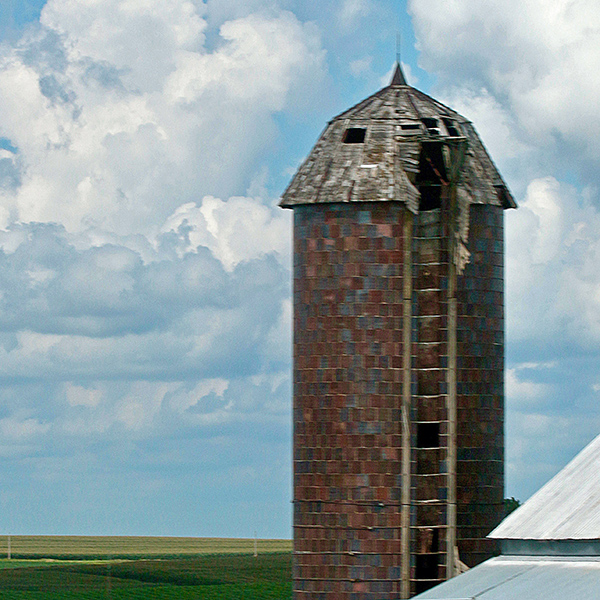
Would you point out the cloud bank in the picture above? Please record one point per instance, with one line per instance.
(144, 268)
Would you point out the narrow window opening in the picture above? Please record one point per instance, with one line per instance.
(431, 175)
(354, 135)
(427, 560)
(409, 126)
(450, 127)
(428, 435)
(427, 564)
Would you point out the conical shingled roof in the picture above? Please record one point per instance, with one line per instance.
(371, 153)
(566, 508)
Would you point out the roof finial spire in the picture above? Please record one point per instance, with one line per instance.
(398, 78)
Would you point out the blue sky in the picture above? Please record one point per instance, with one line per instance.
(145, 267)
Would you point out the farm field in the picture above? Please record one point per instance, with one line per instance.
(79, 547)
(157, 569)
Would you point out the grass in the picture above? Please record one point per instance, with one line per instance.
(214, 572)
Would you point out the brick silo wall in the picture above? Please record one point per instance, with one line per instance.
(348, 292)
(480, 389)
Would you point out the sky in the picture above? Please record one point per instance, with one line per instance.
(145, 275)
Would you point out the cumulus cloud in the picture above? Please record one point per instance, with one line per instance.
(530, 59)
(236, 230)
(120, 114)
(553, 283)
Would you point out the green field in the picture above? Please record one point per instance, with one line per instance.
(94, 568)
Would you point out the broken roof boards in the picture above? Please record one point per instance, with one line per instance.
(371, 153)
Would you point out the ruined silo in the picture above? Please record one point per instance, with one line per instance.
(398, 349)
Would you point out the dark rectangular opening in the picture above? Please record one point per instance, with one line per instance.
(428, 435)
(430, 123)
(427, 559)
(431, 197)
(354, 135)
(408, 126)
(431, 175)
(450, 127)
(432, 168)
(427, 566)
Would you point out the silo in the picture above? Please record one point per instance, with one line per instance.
(398, 349)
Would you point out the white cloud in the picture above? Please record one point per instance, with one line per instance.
(553, 283)
(125, 115)
(125, 123)
(236, 230)
(531, 58)
(360, 66)
(140, 406)
(352, 11)
(182, 400)
(14, 428)
(519, 390)
(77, 395)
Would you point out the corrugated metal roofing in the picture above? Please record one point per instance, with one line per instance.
(396, 121)
(566, 508)
(523, 578)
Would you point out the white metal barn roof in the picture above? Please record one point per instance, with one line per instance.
(566, 508)
(524, 578)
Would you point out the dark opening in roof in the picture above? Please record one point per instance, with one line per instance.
(431, 124)
(431, 197)
(450, 127)
(354, 135)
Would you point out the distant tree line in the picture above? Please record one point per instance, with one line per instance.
(510, 504)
